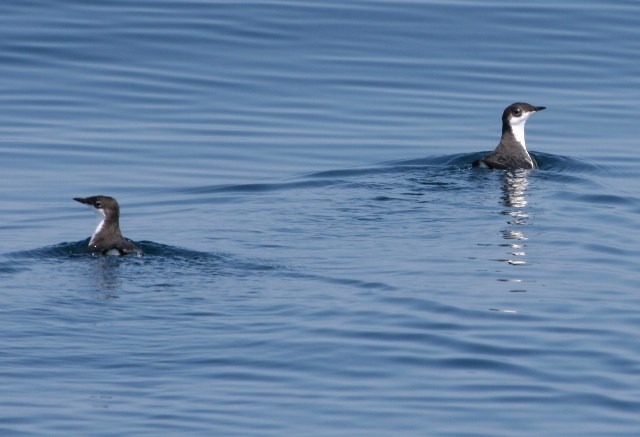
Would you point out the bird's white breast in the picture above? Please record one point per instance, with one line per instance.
(100, 214)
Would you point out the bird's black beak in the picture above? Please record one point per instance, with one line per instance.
(81, 200)
(539, 108)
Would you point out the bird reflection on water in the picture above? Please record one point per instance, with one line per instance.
(514, 198)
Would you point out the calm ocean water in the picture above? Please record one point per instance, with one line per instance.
(320, 258)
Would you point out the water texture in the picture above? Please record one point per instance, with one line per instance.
(320, 258)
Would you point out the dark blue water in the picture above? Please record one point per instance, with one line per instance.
(320, 257)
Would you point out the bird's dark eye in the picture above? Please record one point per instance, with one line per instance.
(517, 112)
(98, 205)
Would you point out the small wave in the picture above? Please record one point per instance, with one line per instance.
(459, 161)
(356, 283)
(58, 251)
(428, 171)
(79, 249)
(546, 161)
(253, 188)
(560, 163)
(157, 256)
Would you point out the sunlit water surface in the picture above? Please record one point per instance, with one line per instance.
(320, 257)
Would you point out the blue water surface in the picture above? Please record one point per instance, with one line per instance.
(320, 258)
